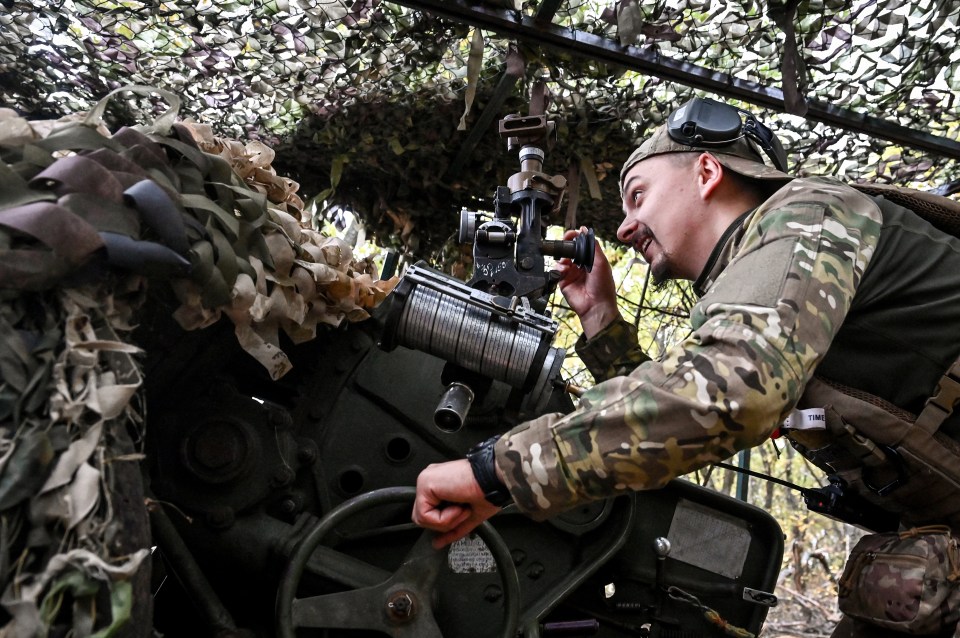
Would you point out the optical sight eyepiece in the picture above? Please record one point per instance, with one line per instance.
(580, 249)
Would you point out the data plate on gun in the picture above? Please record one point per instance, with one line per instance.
(707, 538)
(470, 555)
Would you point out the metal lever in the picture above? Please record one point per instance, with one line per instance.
(661, 546)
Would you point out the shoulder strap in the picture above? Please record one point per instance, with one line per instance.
(940, 406)
(942, 212)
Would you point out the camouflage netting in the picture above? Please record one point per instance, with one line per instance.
(89, 222)
(362, 100)
(366, 105)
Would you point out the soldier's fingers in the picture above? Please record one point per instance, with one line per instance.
(442, 540)
(439, 517)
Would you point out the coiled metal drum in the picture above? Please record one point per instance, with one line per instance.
(498, 338)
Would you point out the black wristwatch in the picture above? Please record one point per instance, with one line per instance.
(484, 470)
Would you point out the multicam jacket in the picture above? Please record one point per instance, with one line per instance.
(786, 292)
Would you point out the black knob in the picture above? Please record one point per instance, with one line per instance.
(579, 250)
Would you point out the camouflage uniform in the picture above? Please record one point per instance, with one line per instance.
(777, 290)
(819, 278)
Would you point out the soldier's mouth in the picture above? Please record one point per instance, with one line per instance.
(643, 244)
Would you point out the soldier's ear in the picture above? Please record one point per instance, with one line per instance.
(709, 174)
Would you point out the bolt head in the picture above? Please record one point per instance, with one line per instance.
(282, 476)
(401, 606)
(535, 571)
(492, 594)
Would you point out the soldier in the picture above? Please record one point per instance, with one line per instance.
(812, 296)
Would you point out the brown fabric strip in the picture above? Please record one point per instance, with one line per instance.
(573, 192)
(77, 174)
(101, 214)
(145, 157)
(131, 137)
(115, 162)
(67, 234)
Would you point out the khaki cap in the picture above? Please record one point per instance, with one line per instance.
(740, 155)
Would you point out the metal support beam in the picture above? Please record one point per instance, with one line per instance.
(482, 126)
(512, 24)
(548, 9)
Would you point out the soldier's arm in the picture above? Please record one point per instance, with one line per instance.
(758, 335)
(612, 352)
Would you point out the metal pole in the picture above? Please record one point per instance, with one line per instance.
(743, 480)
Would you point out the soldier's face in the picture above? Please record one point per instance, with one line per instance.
(661, 207)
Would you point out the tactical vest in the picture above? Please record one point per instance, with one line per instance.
(905, 463)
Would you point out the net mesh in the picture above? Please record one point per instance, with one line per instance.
(363, 99)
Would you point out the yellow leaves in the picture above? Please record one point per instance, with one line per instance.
(603, 169)
(403, 223)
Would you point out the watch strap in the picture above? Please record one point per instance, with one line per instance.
(483, 464)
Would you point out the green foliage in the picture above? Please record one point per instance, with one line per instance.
(660, 312)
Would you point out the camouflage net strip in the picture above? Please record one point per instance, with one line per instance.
(311, 279)
(89, 222)
(365, 101)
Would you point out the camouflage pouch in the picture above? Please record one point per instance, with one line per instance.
(907, 581)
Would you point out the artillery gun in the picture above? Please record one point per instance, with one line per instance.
(279, 504)
(291, 498)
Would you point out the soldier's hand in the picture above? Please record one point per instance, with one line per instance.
(450, 502)
(592, 295)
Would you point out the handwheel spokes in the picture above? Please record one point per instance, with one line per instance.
(402, 605)
(422, 564)
(389, 608)
(353, 609)
(344, 569)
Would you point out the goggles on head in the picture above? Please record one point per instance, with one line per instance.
(707, 123)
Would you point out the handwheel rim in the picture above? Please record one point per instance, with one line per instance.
(286, 592)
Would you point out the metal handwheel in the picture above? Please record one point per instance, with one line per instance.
(402, 605)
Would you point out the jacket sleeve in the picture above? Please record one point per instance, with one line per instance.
(612, 352)
(757, 336)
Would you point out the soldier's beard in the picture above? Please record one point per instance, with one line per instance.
(661, 270)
